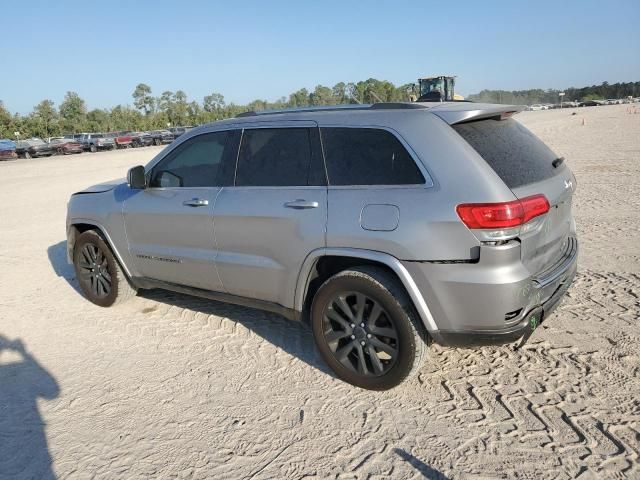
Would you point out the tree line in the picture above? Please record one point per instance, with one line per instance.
(530, 97)
(150, 112)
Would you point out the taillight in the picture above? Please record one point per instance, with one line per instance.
(502, 215)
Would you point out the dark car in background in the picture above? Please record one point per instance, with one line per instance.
(177, 131)
(161, 137)
(34, 147)
(7, 150)
(141, 139)
(66, 146)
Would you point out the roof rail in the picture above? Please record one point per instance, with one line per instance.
(334, 108)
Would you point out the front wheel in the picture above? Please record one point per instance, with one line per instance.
(93, 148)
(366, 328)
(27, 155)
(101, 279)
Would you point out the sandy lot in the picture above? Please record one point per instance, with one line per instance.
(168, 386)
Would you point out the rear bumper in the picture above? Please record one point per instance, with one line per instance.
(494, 301)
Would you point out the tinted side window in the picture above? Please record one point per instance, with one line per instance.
(199, 162)
(514, 153)
(274, 157)
(367, 156)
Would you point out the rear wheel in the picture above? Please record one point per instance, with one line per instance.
(93, 148)
(101, 279)
(366, 328)
(27, 155)
(157, 142)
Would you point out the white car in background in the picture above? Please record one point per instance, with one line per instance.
(537, 107)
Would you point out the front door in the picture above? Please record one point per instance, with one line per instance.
(276, 213)
(169, 225)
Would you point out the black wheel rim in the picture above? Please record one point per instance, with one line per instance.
(94, 270)
(360, 334)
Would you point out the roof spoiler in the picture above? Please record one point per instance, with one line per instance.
(460, 113)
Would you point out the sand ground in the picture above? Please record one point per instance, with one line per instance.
(168, 386)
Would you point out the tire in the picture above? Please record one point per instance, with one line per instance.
(60, 151)
(396, 328)
(157, 142)
(27, 155)
(93, 148)
(100, 277)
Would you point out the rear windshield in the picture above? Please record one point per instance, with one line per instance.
(515, 154)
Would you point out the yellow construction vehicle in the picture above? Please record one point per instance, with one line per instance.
(435, 89)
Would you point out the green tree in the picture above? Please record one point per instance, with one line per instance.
(46, 117)
(6, 122)
(180, 108)
(321, 96)
(124, 118)
(299, 98)
(142, 98)
(213, 103)
(98, 120)
(73, 112)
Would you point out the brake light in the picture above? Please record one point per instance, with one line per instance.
(502, 215)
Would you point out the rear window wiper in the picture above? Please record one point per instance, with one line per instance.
(557, 162)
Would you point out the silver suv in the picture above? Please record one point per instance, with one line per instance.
(386, 227)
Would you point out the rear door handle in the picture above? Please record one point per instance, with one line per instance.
(301, 204)
(195, 202)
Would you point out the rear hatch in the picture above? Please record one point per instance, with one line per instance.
(528, 167)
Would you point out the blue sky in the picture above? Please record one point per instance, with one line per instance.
(268, 49)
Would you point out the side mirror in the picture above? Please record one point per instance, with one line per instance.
(136, 178)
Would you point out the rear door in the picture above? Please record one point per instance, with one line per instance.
(276, 213)
(528, 167)
(169, 225)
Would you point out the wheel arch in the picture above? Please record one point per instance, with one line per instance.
(314, 271)
(79, 226)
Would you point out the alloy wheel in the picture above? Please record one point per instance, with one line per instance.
(94, 270)
(360, 334)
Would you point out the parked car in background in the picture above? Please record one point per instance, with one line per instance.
(161, 137)
(141, 139)
(33, 147)
(75, 136)
(66, 146)
(120, 139)
(536, 107)
(7, 150)
(96, 141)
(589, 103)
(177, 131)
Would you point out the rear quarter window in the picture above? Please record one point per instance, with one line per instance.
(367, 156)
(511, 150)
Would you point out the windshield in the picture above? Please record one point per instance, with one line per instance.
(432, 85)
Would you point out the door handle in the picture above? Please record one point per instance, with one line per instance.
(195, 202)
(301, 204)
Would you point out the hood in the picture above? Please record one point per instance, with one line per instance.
(102, 187)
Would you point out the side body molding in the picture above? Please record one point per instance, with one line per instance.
(304, 277)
